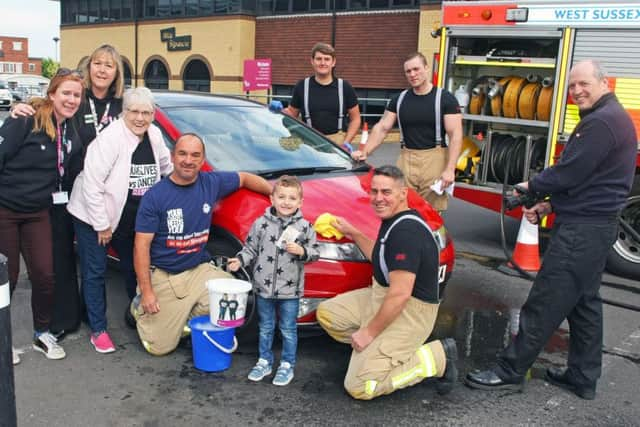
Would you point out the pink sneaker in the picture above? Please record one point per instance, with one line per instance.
(102, 342)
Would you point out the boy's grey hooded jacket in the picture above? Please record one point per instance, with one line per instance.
(277, 273)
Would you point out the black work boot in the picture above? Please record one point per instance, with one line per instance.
(447, 381)
(558, 376)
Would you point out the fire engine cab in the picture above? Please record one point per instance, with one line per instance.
(508, 63)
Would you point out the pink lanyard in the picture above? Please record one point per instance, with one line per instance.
(62, 141)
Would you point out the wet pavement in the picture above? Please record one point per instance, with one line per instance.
(131, 388)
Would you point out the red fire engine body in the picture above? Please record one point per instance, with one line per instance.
(508, 65)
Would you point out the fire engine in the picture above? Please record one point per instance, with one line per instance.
(508, 63)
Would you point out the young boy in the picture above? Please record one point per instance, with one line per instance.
(278, 245)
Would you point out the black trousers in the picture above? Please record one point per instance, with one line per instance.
(567, 286)
(68, 305)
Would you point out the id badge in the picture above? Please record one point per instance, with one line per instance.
(60, 197)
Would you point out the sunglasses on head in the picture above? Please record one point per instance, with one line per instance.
(67, 71)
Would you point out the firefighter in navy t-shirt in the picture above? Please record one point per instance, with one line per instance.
(324, 102)
(172, 230)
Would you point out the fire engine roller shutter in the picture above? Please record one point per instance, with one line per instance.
(617, 50)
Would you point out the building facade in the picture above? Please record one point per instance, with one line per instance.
(14, 57)
(202, 44)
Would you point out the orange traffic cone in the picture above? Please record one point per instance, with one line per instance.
(526, 253)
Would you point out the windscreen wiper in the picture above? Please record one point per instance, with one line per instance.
(275, 173)
(361, 167)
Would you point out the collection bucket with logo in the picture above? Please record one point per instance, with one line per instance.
(228, 301)
(212, 345)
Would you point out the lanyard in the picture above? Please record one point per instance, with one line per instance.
(61, 146)
(99, 125)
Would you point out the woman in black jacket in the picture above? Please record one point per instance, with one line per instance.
(35, 154)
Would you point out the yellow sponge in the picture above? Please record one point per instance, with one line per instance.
(324, 228)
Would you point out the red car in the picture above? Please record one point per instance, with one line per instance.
(246, 136)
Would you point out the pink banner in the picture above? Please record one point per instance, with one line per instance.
(257, 74)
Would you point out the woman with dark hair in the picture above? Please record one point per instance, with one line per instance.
(36, 153)
(103, 79)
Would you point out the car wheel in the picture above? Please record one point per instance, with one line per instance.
(223, 245)
(624, 257)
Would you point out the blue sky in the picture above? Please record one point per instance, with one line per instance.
(38, 20)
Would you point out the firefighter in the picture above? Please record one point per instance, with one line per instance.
(324, 101)
(424, 114)
(388, 323)
(588, 188)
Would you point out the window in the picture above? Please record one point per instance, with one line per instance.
(318, 5)
(114, 7)
(150, 8)
(373, 102)
(282, 6)
(32, 67)
(191, 8)
(0, 44)
(176, 8)
(206, 7)
(299, 5)
(10, 67)
(17, 45)
(94, 13)
(265, 7)
(164, 8)
(81, 17)
(104, 10)
(378, 4)
(127, 7)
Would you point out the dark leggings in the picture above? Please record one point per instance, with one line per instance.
(67, 306)
(29, 234)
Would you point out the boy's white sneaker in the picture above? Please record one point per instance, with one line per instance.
(261, 370)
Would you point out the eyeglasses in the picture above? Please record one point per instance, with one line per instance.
(67, 71)
(143, 113)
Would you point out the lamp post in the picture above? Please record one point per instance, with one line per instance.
(56, 40)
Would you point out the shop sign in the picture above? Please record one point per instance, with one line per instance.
(175, 43)
(257, 74)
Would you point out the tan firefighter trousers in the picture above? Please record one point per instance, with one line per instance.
(395, 359)
(422, 168)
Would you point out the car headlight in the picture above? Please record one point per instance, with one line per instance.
(442, 237)
(341, 251)
(307, 305)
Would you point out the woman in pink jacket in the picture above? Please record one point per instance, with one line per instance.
(121, 164)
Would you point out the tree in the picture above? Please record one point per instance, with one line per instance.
(49, 67)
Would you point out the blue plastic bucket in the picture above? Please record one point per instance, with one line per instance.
(212, 346)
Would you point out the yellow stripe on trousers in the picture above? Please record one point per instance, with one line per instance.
(425, 369)
(370, 387)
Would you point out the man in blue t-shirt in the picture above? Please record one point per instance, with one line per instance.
(172, 230)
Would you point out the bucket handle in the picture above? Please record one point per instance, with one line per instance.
(219, 347)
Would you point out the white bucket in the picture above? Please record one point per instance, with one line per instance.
(228, 301)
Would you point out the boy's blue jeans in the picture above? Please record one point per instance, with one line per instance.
(287, 311)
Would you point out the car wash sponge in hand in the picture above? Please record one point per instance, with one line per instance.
(324, 228)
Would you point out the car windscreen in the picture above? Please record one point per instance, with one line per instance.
(257, 140)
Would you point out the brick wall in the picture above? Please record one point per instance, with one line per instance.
(370, 46)
(21, 56)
